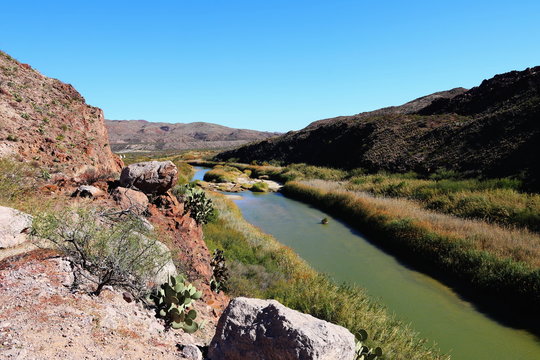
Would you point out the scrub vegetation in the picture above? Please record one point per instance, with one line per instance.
(259, 266)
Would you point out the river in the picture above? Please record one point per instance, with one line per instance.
(433, 309)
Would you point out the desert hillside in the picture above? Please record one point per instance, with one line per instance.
(47, 123)
(136, 135)
(491, 130)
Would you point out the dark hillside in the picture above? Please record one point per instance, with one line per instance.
(491, 130)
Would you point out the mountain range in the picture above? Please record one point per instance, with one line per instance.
(492, 130)
(141, 135)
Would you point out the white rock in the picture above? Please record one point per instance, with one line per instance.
(151, 177)
(13, 227)
(265, 329)
(192, 352)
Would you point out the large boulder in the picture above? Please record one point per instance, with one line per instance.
(151, 177)
(14, 226)
(129, 199)
(265, 329)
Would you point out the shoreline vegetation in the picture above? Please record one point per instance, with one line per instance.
(260, 266)
(492, 258)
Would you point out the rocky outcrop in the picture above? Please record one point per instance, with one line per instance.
(137, 135)
(167, 213)
(48, 123)
(151, 177)
(14, 226)
(131, 200)
(42, 318)
(265, 330)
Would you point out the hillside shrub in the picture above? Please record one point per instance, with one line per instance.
(104, 250)
(17, 180)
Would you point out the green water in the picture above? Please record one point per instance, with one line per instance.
(433, 309)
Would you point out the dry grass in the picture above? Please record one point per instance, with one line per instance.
(517, 244)
(499, 264)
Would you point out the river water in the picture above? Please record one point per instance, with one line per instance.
(433, 309)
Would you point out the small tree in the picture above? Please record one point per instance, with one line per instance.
(103, 249)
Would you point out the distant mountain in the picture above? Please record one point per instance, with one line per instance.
(491, 130)
(135, 135)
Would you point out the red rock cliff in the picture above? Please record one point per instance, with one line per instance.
(48, 123)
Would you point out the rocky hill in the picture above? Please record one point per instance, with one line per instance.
(137, 135)
(491, 130)
(47, 123)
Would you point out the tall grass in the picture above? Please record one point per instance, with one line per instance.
(495, 200)
(498, 201)
(262, 267)
(503, 264)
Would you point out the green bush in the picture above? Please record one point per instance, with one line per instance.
(17, 180)
(260, 187)
(222, 175)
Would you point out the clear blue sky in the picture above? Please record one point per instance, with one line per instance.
(267, 65)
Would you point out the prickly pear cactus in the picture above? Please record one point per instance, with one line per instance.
(173, 301)
(363, 352)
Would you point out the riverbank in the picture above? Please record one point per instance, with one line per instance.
(470, 264)
(486, 261)
(260, 266)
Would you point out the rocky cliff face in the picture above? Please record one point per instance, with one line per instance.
(47, 123)
(136, 135)
(491, 130)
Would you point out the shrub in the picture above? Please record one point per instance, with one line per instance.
(222, 175)
(260, 187)
(11, 137)
(103, 249)
(16, 180)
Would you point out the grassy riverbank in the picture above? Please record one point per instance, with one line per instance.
(497, 201)
(479, 236)
(502, 264)
(260, 266)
